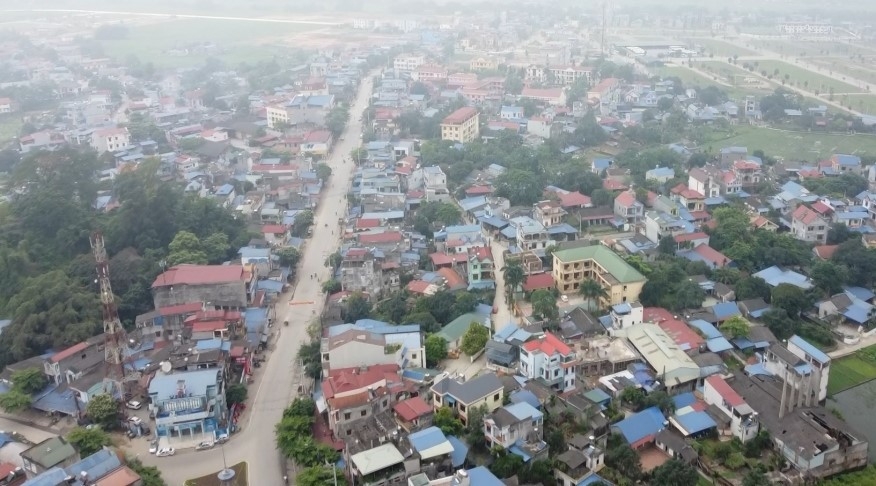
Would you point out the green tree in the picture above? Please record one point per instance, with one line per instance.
(474, 339)
(331, 286)
(829, 277)
(447, 422)
(513, 84)
(216, 247)
(736, 327)
(150, 475)
(593, 292)
(235, 393)
(303, 222)
(311, 357)
(544, 306)
(15, 401)
(88, 441)
(186, 248)
(357, 307)
(667, 245)
(688, 295)
(624, 460)
(521, 187)
(336, 120)
(839, 233)
(514, 276)
(755, 478)
(474, 429)
(752, 288)
(436, 350)
(288, 256)
(779, 323)
(790, 298)
(506, 465)
(601, 197)
(426, 320)
(323, 171)
(320, 476)
(103, 410)
(29, 380)
(674, 473)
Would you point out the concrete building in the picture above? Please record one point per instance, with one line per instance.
(743, 419)
(462, 396)
(463, 125)
(110, 139)
(356, 395)
(380, 466)
(802, 364)
(407, 63)
(807, 225)
(549, 361)
(189, 406)
(215, 285)
(50, 453)
(361, 271)
(621, 281)
(513, 426)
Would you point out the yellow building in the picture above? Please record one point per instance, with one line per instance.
(621, 281)
(463, 125)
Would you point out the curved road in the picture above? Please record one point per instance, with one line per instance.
(274, 387)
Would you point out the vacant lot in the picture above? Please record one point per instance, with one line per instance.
(694, 79)
(853, 370)
(865, 103)
(231, 40)
(809, 79)
(803, 146)
(719, 48)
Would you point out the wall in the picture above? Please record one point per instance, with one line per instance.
(230, 294)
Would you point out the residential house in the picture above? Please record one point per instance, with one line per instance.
(435, 184)
(549, 96)
(481, 268)
(110, 139)
(189, 405)
(626, 314)
(70, 364)
(641, 428)
(380, 466)
(775, 276)
(841, 164)
(550, 361)
(407, 63)
(628, 207)
(529, 234)
(463, 125)
(732, 154)
(356, 396)
(549, 213)
(361, 270)
(218, 285)
(453, 331)
(848, 307)
(660, 174)
(743, 419)
(413, 414)
(807, 225)
(516, 427)
(463, 396)
(621, 281)
(50, 453)
(800, 364)
(576, 467)
(7, 106)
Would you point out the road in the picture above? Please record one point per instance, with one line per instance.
(275, 388)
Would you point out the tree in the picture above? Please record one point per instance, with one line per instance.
(521, 187)
(756, 477)
(688, 295)
(839, 233)
(15, 401)
(514, 276)
(544, 305)
(513, 84)
(436, 350)
(323, 171)
(336, 119)
(235, 393)
(103, 410)
(779, 323)
(601, 197)
(447, 422)
(88, 441)
(186, 248)
(29, 381)
(331, 286)
(506, 465)
(736, 327)
(474, 429)
(673, 473)
(433, 215)
(320, 476)
(790, 298)
(311, 357)
(667, 245)
(357, 307)
(474, 339)
(829, 277)
(216, 247)
(593, 292)
(288, 256)
(752, 288)
(303, 221)
(624, 459)
(150, 475)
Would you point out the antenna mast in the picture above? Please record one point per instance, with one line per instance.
(114, 333)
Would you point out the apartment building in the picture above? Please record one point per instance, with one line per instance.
(622, 282)
(463, 125)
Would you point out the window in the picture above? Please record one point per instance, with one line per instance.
(461, 407)
(346, 415)
(414, 356)
(363, 413)
(496, 397)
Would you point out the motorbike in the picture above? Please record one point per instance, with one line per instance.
(286, 323)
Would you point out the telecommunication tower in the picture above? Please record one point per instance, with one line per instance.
(115, 340)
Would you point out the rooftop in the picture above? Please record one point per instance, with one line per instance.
(50, 452)
(199, 275)
(380, 457)
(607, 259)
(469, 391)
(662, 354)
(460, 115)
(548, 344)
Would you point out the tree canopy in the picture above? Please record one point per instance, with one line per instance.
(474, 339)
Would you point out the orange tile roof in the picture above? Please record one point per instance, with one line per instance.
(412, 408)
(460, 115)
(549, 344)
(538, 281)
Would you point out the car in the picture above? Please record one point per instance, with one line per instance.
(222, 438)
(167, 451)
(205, 445)
(135, 420)
(153, 447)
(134, 405)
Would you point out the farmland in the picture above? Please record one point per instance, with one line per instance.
(791, 145)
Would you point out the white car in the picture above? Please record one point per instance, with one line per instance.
(153, 447)
(169, 451)
(134, 405)
(135, 420)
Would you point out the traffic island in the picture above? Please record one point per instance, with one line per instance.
(223, 478)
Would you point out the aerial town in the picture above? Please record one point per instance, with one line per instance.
(448, 245)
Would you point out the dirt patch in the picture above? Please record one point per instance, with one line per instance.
(240, 477)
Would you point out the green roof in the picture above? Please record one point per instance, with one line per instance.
(457, 327)
(50, 452)
(607, 259)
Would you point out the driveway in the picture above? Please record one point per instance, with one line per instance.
(274, 387)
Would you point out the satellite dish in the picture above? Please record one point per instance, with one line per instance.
(166, 367)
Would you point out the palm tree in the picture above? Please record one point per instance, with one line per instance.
(514, 276)
(592, 291)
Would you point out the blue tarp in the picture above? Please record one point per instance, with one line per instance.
(519, 452)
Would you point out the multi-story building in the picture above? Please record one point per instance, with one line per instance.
(704, 180)
(628, 207)
(110, 139)
(531, 234)
(188, 405)
(743, 419)
(481, 268)
(808, 225)
(805, 28)
(549, 213)
(361, 393)
(798, 360)
(571, 75)
(406, 64)
(429, 72)
(463, 125)
(550, 96)
(351, 345)
(216, 285)
(361, 271)
(481, 64)
(512, 424)
(622, 282)
(626, 315)
(462, 396)
(549, 361)
(435, 184)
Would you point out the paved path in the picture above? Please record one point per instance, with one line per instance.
(503, 313)
(845, 350)
(274, 386)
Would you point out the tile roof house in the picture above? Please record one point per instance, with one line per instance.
(807, 225)
(550, 361)
(628, 207)
(713, 258)
(743, 419)
(462, 396)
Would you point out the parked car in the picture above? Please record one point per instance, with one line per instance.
(153, 447)
(134, 405)
(167, 451)
(205, 445)
(135, 420)
(222, 438)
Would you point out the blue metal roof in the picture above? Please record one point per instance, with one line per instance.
(52, 477)
(482, 476)
(718, 345)
(270, 286)
(509, 232)
(96, 465)
(775, 276)
(809, 349)
(684, 400)
(426, 438)
(256, 318)
(641, 424)
(523, 411)
(725, 310)
(460, 452)
(525, 396)
(695, 422)
(706, 328)
(55, 400)
(196, 382)
(595, 479)
(858, 292)
(208, 344)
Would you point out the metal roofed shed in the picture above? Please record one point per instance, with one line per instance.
(692, 422)
(373, 460)
(430, 442)
(670, 362)
(640, 428)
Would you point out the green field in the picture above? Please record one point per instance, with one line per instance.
(719, 48)
(809, 48)
(852, 370)
(812, 80)
(865, 103)
(801, 146)
(10, 126)
(235, 40)
(693, 79)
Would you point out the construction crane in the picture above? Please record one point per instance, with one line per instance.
(117, 374)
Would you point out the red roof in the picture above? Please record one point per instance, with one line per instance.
(440, 259)
(376, 238)
(548, 344)
(538, 281)
(417, 286)
(318, 136)
(199, 275)
(347, 380)
(460, 115)
(675, 328)
(825, 252)
(76, 348)
(208, 326)
(821, 208)
(728, 394)
(477, 190)
(626, 199)
(237, 351)
(746, 165)
(805, 215)
(273, 229)
(179, 309)
(690, 237)
(613, 185)
(454, 280)
(481, 253)
(712, 255)
(412, 409)
(363, 223)
(700, 215)
(573, 199)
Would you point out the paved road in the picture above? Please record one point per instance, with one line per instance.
(32, 434)
(274, 387)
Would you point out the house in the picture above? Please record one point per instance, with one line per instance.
(480, 268)
(660, 174)
(413, 413)
(362, 271)
(462, 396)
(571, 267)
(463, 125)
(435, 184)
(516, 427)
(550, 361)
(732, 154)
(7, 106)
(71, 363)
(317, 143)
(356, 397)
(841, 163)
(110, 139)
(641, 428)
(50, 453)
(549, 96)
(576, 467)
(775, 276)
(379, 466)
(743, 419)
(528, 234)
(453, 331)
(801, 364)
(355, 347)
(713, 258)
(675, 446)
(218, 285)
(628, 207)
(677, 371)
(626, 314)
(188, 404)
(807, 225)
(512, 113)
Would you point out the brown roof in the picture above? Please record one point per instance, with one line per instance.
(199, 275)
(123, 476)
(460, 115)
(412, 408)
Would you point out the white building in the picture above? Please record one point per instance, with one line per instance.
(406, 64)
(550, 360)
(743, 419)
(110, 139)
(514, 423)
(626, 315)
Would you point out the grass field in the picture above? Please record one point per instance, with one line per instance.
(865, 103)
(693, 79)
(852, 370)
(812, 79)
(810, 49)
(794, 145)
(10, 126)
(235, 40)
(720, 48)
